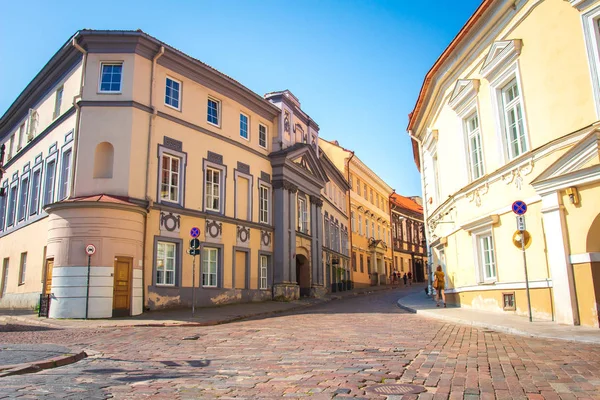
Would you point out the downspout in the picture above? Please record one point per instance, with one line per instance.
(351, 231)
(78, 113)
(148, 198)
(390, 205)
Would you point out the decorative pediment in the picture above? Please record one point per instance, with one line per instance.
(480, 223)
(377, 244)
(501, 53)
(464, 91)
(579, 165)
(304, 156)
(304, 163)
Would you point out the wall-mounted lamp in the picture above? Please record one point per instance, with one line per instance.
(573, 195)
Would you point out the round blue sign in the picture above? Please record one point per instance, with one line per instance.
(519, 207)
(194, 232)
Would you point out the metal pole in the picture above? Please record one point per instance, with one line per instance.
(194, 283)
(87, 295)
(526, 276)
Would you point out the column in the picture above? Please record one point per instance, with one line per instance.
(565, 301)
(284, 247)
(317, 288)
(292, 225)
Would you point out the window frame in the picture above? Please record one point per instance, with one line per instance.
(212, 182)
(58, 100)
(302, 219)
(182, 175)
(106, 63)
(37, 169)
(515, 105)
(478, 254)
(11, 214)
(218, 102)
(170, 158)
(266, 133)
(22, 268)
(52, 158)
(23, 197)
(179, 93)
(222, 186)
(244, 115)
(218, 252)
(360, 230)
(263, 185)
(65, 181)
(473, 112)
(591, 34)
(268, 256)
(178, 261)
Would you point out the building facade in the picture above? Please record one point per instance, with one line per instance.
(510, 112)
(408, 237)
(371, 255)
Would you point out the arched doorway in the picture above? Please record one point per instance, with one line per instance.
(303, 275)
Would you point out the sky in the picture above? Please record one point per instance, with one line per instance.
(356, 66)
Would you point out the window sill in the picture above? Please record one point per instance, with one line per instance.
(215, 125)
(105, 92)
(21, 283)
(173, 107)
(489, 283)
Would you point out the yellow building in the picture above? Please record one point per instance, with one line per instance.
(510, 112)
(371, 256)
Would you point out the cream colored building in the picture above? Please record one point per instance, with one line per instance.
(371, 256)
(510, 112)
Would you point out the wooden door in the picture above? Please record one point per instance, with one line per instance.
(122, 287)
(48, 275)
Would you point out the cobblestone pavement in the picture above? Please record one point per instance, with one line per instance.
(337, 349)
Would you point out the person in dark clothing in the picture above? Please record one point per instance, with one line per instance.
(410, 277)
(405, 278)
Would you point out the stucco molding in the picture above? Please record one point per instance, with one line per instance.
(63, 205)
(541, 284)
(585, 258)
(516, 174)
(481, 223)
(581, 4)
(501, 54)
(464, 91)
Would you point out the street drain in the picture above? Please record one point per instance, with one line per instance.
(400, 388)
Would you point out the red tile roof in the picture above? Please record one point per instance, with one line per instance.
(100, 198)
(406, 203)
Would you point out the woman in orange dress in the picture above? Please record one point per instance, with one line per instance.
(441, 284)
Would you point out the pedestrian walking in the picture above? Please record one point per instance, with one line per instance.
(394, 277)
(410, 277)
(439, 284)
(405, 278)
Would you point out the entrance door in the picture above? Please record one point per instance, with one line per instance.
(122, 287)
(303, 275)
(48, 272)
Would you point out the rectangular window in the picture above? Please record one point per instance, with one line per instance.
(263, 203)
(213, 111)
(65, 175)
(165, 263)
(326, 235)
(110, 77)
(353, 221)
(302, 215)
(262, 135)
(244, 126)
(49, 183)
(365, 191)
(373, 228)
(11, 147)
(209, 266)
(366, 227)
(169, 182)
(474, 142)
(509, 301)
(3, 201)
(360, 231)
(21, 136)
(57, 102)
(4, 276)
(212, 189)
(513, 120)
(354, 261)
(172, 93)
(34, 201)
(372, 197)
(22, 211)
(379, 232)
(358, 186)
(12, 205)
(22, 268)
(263, 263)
(362, 263)
(487, 257)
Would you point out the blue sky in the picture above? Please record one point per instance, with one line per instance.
(356, 66)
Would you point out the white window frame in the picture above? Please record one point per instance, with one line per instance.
(106, 63)
(169, 185)
(266, 133)
(182, 175)
(353, 221)
(58, 99)
(207, 272)
(219, 184)
(360, 231)
(367, 228)
(34, 208)
(591, 34)
(264, 203)
(515, 105)
(247, 137)
(302, 211)
(23, 197)
(64, 186)
(218, 124)
(51, 159)
(468, 145)
(179, 92)
(479, 255)
(22, 135)
(164, 269)
(22, 268)
(15, 203)
(263, 272)
(3, 205)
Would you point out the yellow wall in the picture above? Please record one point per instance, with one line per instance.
(584, 220)
(587, 281)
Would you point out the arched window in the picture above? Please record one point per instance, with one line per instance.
(103, 160)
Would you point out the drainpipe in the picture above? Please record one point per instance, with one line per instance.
(78, 113)
(350, 209)
(148, 198)
(390, 205)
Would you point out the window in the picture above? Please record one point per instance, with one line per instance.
(212, 189)
(11, 146)
(209, 266)
(169, 183)
(354, 261)
(244, 126)
(362, 263)
(65, 175)
(373, 228)
(12, 205)
(474, 146)
(34, 201)
(3, 200)
(353, 221)
(21, 212)
(213, 111)
(263, 203)
(372, 196)
(22, 268)
(302, 215)
(365, 191)
(326, 234)
(21, 135)
(508, 299)
(360, 231)
(110, 78)
(172, 93)
(49, 183)
(368, 264)
(263, 263)
(487, 258)
(513, 119)
(57, 102)
(4, 276)
(358, 186)
(379, 232)
(262, 135)
(366, 227)
(165, 263)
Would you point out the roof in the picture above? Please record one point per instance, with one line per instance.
(101, 198)
(406, 203)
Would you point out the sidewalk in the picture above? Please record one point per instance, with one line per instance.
(205, 316)
(421, 304)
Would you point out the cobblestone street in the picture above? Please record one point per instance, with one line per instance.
(337, 349)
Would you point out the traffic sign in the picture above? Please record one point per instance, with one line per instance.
(519, 207)
(521, 222)
(194, 244)
(194, 232)
(516, 239)
(90, 249)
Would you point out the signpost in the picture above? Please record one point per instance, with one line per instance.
(519, 207)
(90, 250)
(194, 251)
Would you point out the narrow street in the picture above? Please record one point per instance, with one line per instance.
(338, 349)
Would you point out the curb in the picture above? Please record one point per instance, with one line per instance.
(27, 368)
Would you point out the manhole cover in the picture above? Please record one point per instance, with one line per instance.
(400, 388)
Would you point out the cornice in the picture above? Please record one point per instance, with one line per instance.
(581, 4)
(385, 188)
